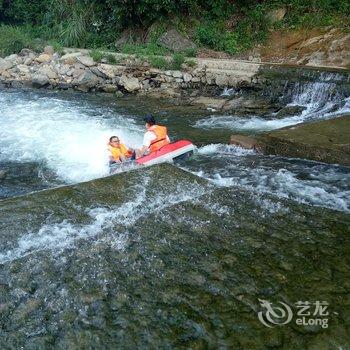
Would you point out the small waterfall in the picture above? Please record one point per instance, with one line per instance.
(229, 92)
(324, 95)
(322, 98)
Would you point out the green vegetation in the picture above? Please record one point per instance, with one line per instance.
(111, 59)
(224, 25)
(158, 62)
(96, 55)
(177, 60)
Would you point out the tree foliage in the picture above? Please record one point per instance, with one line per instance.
(96, 23)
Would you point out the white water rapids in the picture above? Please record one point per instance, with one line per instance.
(69, 137)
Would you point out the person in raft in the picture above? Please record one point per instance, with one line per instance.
(156, 136)
(118, 152)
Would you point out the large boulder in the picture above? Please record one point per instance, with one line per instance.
(40, 80)
(175, 41)
(5, 65)
(48, 71)
(244, 105)
(110, 71)
(244, 141)
(210, 102)
(110, 88)
(43, 58)
(23, 69)
(86, 61)
(70, 58)
(87, 79)
(289, 111)
(130, 84)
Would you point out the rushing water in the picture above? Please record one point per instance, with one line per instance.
(321, 99)
(171, 256)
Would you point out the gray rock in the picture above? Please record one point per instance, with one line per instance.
(56, 56)
(175, 41)
(177, 74)
(289, 111)
(63, 70)
(98, 72)
(48, 71)
(109, 88)
(12, 57)
(130, 84)
(28, 61)
(40, 80)
(6, 65)
(70, 58)
(187, 77)
(87, 79)
(26, 52)
(43, 58)
(77, 72)
(86, 61)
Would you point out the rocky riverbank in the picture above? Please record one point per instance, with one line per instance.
(77, 70)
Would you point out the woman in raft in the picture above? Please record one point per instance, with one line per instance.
(118, 151)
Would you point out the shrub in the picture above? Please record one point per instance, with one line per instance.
(96, 55)
(111, 59)
(177, 60)
(192, 52)
(57, 46)
(215, 37)
(191, 63)
(159, 62)
(13, 39)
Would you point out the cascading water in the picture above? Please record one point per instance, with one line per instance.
(322, 99)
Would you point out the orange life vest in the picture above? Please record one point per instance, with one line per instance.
(161, 140)
(116, 152)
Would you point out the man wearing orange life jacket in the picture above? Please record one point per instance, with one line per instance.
(154, 139)
(118, 152)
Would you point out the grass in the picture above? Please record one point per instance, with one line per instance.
(177, 60)
(96, 55)
(13, 40)
(158, 62)
(111, 59)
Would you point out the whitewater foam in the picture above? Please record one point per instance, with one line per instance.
(68, 137)
(57, 237)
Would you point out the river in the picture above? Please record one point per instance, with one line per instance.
(171, 255)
